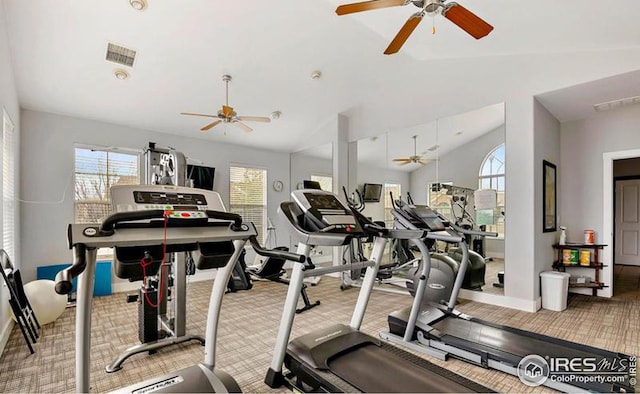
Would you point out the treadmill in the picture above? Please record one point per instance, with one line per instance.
(442, 331)
(151, 221)
(340, 358)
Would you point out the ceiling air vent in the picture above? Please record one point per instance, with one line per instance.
(120, 55)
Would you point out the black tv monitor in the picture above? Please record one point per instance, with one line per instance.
(371, 192)
(311, 185)
(201, 176)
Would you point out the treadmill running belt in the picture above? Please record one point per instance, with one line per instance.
(386, 372)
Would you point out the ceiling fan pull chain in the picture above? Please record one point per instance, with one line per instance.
(433, 24)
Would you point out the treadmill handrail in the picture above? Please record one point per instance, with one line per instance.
(473, 232)
(107, 227)
(275, 253)
(63, 280)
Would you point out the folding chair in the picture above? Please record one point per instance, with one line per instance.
(20, 305)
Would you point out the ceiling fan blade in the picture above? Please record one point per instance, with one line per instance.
(242, 126)
(403, 159)
(254, 119)
(368, 5)
(421, 162)
(467, 20)
(227, 111)
(194, 114)
(210, 125)
(403, 34)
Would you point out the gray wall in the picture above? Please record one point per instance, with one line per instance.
(48, 164)
(583, 143)
(547, 147)
(8, 101)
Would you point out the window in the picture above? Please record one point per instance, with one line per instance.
(439, 200)
(326, 182)
(492, 177)
(96, 170)
(8, 187)
(396, 189)
(248, 196)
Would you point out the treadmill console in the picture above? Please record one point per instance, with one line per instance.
(428, 216)
(323, 212)
(178, 202)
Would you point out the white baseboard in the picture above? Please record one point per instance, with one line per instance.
(121, 287)
(500, 300)
(4, 337)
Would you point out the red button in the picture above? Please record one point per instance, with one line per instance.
(185, 214)
(348, 229)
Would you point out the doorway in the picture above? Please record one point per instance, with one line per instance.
(626, 228)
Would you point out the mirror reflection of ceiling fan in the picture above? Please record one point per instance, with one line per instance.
(228, 115)
(453, 11)
(417, 159)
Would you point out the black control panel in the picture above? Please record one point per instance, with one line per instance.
(323, 212)
(159, 198)
(428, 216)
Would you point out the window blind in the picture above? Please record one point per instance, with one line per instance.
(8, 187)
(248, 196)
(95, 172)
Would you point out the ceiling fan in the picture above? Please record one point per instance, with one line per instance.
(412, 159)
(453, 11)
(228, 115)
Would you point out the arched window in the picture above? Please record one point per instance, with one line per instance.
(491, 176)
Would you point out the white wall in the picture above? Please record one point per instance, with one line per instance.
(583, 144)
(547, 147)
(304, 165)
(48, 164)
(8, 101)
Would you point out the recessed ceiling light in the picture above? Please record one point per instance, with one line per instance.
(316, 74)
(138, 5)
(459, 133)
(276, 115)
(121, 74)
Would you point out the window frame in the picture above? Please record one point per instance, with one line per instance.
(262, 235)
(104, 252)
(449, 210)
(9, 219)
(495, 177)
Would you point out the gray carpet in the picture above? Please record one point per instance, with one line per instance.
(248, 329)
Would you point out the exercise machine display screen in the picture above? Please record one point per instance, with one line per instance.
(165, 199)
(325, 213)
(429, 217)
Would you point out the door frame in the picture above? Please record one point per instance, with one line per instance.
(608, 212)
(615, 187)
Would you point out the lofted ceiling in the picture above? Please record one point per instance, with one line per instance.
(271, 48)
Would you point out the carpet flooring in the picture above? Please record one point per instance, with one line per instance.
(248, 327)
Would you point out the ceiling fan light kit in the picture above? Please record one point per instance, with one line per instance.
(417, 159)
(459, 15)
(228, 115)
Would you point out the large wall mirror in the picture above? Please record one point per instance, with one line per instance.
(442, 164)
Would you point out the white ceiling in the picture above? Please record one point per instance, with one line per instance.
(271, 47)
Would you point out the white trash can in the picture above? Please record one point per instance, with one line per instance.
(555, 287)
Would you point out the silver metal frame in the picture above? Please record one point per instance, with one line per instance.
(295, 284)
